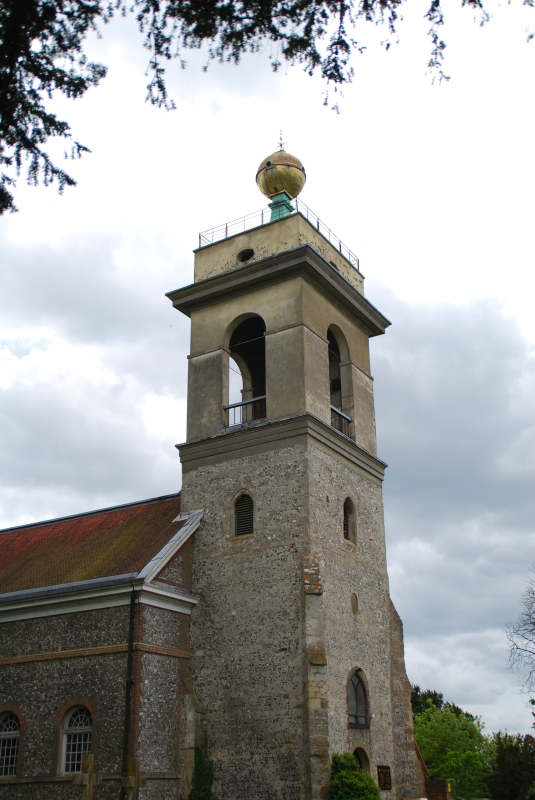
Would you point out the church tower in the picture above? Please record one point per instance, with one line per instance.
(296, 648)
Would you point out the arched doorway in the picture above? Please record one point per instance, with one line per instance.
(362, 758)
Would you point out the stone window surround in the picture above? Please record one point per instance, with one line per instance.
(231, 519)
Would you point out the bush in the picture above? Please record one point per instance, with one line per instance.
(349, 782)
(203, 774)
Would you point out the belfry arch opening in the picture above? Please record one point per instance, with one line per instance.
(335, 379)
(247, 347)
(339, 418)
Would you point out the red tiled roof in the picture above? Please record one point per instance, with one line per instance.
(113, 541)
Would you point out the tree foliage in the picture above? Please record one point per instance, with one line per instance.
(349, 781)
(420, 699)
(512, 767)
(521, 636)
(41, 53)
(453, 747)
(203, 774)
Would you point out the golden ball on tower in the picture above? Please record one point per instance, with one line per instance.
(281, 172)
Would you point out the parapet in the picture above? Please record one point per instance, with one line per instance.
(222, 250)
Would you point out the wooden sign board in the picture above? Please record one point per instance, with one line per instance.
(384, 777)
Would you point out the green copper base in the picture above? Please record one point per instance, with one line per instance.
(281, 206)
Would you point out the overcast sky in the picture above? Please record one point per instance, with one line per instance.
(431, 185)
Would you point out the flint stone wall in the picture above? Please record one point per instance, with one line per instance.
(273, 650)
(247, 632)
(361, 640)
(44, 690)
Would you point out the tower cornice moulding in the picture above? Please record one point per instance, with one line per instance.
(303, 261)
(281, 432)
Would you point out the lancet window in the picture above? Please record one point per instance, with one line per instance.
(349, 521)
(357, 701)
(243, 516)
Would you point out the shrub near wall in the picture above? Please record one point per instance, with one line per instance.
(349, 782)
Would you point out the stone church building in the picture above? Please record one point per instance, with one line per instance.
(252, 608)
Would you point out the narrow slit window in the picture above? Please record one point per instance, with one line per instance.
(244, 516)
(349, 524)
(9, 744)
(77, 739)
(347, 520)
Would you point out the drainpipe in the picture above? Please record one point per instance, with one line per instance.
(128, 693)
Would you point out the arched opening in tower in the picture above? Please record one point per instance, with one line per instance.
(248, 353)
(334, 371)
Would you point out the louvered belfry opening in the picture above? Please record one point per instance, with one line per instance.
(244, 515)
(347, 515)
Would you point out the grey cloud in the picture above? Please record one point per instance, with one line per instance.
(454, 388)
(70, 443)
(452, 405)
(76, 289)
(89, 446)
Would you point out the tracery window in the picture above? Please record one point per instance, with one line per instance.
(76, 738)
(9, 743)
(357, 702)
(243, 515)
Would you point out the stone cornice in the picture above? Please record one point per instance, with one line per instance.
(276, 434)
(47, 604)
(303, 261)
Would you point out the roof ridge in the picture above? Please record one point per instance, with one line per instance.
(90, 513)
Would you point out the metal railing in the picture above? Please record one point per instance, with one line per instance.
(246, 411)
(263, 216)
(340, 421)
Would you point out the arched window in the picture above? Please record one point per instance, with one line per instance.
(334, 371)
(243, 515)
(9, 743)
(77, 729)
(339, 418)
(357, 702)
(350, 521)
(247, 347)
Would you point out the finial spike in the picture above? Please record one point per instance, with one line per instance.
(281, 143)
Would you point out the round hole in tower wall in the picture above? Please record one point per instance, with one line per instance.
(354, 604)
(245, 255)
